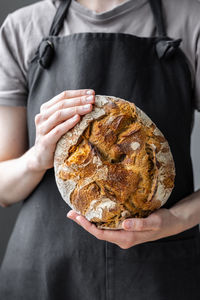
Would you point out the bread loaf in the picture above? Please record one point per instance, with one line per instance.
(114, 164)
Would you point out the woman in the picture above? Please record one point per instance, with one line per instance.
(93, 47)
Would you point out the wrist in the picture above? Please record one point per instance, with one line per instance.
(30, 162)
(187, 211)
(180, 219)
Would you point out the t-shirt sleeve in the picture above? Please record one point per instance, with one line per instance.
(13, 83)
(197, 78)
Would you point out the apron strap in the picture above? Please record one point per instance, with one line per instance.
(59, 18)
(46, 51)
(165, 46)
(60, 15)
(156, 8)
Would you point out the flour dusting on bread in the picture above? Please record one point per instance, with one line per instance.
(114, 164)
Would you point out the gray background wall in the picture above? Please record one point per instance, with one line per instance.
(8, 215)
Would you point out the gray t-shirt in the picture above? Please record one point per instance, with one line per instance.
(23, 30)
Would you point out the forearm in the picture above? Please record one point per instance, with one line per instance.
(18, 179)
(188, 210)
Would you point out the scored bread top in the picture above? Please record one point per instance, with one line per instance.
(114, 164)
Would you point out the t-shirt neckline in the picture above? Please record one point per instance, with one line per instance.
(114, 12)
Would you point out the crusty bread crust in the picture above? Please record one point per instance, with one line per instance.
(132, 177)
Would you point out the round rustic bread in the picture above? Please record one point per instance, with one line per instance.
(114, 164)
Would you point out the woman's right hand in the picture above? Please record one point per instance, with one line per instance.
(56, 117)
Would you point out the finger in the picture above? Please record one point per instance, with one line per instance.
(66, 103)
(63, 115)
(83, 222)
(55, 134)
(65, 95)
(116, 237)
(88, 226)
(72, 215)
(121, 238)
(153, 222)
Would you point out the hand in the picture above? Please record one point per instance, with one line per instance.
(161, 223)
(56, 117)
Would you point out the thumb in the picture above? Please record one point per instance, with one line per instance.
(141, 224)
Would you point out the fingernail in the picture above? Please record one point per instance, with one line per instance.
(69, 214)
(74, 117)
(128, 224)
(89, 99)
(89, 92)
(78, 218)
(86, 107)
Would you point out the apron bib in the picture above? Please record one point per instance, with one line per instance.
(49, 257)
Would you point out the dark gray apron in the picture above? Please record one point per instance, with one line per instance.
(50, 257)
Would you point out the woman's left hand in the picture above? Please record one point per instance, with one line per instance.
(160, 224)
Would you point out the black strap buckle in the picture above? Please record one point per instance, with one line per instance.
(165, 48)
(46, 53)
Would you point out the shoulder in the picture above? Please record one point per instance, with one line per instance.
(23, 30)
(37, 15)
(185, 13)
(182, 19)
(39, 8)
(182, 5)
